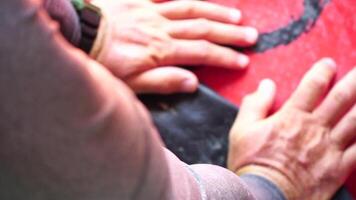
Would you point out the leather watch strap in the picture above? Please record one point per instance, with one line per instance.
(90, 18)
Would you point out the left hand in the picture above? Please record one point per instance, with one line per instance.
(144, 41)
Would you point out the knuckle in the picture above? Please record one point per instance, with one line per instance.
(165, 87)
(341, 95)
(170, 48)
(319, 82)
(191, 8)
(205, 49)
(130, 5)
(202, 23)
(202, 27)
(352, 118)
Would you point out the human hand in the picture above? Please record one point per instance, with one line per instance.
(307, 149)
(144, 41)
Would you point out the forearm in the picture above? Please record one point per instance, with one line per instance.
(69, 129)
(204, 181)
(63, 122)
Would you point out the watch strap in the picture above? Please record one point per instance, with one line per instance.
(90, 18)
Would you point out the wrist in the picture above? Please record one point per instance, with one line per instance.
(286, 186)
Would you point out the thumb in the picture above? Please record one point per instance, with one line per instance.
(256, 106)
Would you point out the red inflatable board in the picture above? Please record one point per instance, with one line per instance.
(295, 34)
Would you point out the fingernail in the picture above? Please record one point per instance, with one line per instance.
(329, 62)
(251, 35)
(189, 85)
(235, 16)
(243, 61)
(267, 86)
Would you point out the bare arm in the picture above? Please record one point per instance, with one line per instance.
(67, 126)
(70, 130)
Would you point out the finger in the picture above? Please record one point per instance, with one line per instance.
(165, 80)
(213, 31)
(199, 9)
(348, 163)
(313, 86)
(202, 52)
(345, 131)
(341, 98)
(256, 106)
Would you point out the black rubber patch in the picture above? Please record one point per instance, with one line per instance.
(292, 31)
(195, 127)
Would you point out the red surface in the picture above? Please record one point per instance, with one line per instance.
(334, 35)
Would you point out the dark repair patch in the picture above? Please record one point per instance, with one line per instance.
(292, 31)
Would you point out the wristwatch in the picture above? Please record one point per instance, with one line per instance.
(90, 18)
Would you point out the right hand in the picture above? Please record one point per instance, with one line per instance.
(307, 149)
